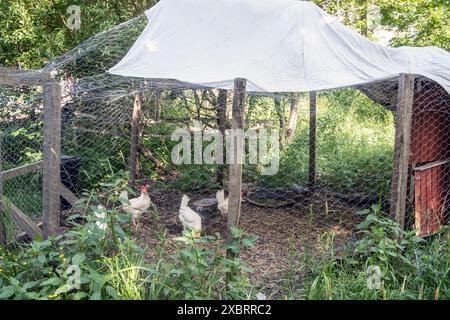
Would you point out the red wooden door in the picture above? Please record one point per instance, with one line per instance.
(431, 196)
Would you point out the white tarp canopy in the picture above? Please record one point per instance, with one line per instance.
(277, 45)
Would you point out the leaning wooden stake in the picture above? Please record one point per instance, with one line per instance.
(51, 203)
(134, 143)
(312, 140)
(402, 148)
(234, 202)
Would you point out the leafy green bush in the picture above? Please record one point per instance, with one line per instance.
(199, 270)
(69, 266)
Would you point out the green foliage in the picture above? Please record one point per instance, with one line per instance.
(413, 22)
(22, 144)
(354, 147)
(91, 262)
(53, 269)
(352, 13)
(418, 23)
(33, 32)
(414, 268)
(198, 269)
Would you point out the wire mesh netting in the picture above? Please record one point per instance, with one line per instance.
(21, 145)
(287, 194)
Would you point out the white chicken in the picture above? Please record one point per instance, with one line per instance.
(135, 206)
(222, 203)
(188, 217)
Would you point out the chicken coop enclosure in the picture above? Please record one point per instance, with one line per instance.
(320, 164)
(73, 126)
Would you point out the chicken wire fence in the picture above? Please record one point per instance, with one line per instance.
(351, 131)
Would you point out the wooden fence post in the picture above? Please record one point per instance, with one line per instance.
(134, 143)
(402, 148)
(2, 208)
(51, 203)
(221, 123)
(312, 140)
(234, 202)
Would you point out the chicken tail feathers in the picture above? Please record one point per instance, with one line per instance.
(184, 201)
(220, 196)
(123, 196)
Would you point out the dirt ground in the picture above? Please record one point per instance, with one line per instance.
(276, 229)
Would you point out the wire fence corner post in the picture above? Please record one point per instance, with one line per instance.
(402, 149)
(51, 202)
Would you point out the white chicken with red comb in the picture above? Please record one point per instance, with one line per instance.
(137, 206)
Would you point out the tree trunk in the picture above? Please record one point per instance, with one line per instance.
(293, 117)
(279, 107)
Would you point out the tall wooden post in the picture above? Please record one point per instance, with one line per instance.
(134, 143)
(237, 125)
(221, 123)
(51, 203)
(402, 148)
(2, 208)
(312, 139)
